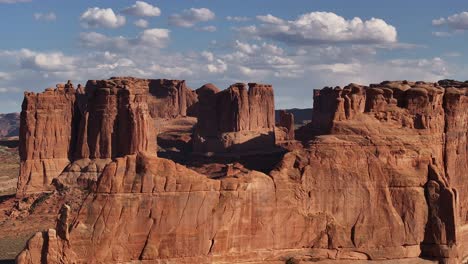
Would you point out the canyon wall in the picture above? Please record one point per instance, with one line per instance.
(380, 177)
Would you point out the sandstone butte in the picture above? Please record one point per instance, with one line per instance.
(379, 174)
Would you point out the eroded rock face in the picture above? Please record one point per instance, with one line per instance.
(379, 178)
(236, 119)
(46, 138)
(104, 120)
(286, 121)
(416, 105)
(115, 120)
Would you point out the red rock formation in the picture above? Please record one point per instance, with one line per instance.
(286, 121)
(261, 106)
(381, 178)
(236, 119)
(46, 130)
(116, 120)
(106, 119)
(171, 98)
(208, 115)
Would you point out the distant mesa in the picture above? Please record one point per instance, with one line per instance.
(9, 125)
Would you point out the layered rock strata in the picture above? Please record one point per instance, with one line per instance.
(103, 120)
(236, 119)
(46, 137)
(381, 177)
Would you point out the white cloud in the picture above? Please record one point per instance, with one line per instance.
(245, 47)
(288, 71)
(51, 61)
(270, 19)
(322, 28)
(264, 48)
(209, 56)
(14, 1)
(141, 8)
(457, 21)
(9, 90)
(4, 76)
(45, 16)
(190, 17)
(207, 28)
(149, 38)
(173, 71)
(442, 34)
(438, 22)
(237, 18)
(141, 23)
(156, 37)
(218, 67)
(101, 17)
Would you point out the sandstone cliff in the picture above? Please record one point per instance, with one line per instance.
(286, 123)
(382, 175)
(236, 119)
(103, 120)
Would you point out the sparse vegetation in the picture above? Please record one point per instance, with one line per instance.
(39, 201)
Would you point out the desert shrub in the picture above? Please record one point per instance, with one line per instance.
(39, 201)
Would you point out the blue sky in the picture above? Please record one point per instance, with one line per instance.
(297, 46)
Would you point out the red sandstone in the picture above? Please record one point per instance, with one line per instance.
(381, 176)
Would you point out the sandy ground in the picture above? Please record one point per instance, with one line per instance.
(9, 169)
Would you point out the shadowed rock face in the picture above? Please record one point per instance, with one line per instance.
(286, 121)
(236, 119)
(382, 175)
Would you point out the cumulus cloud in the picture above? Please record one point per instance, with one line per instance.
(156, 37)
(270, 19)
(237, 18)
(40, 61)
(457, 21)
(45, 16)
(141, 8)
(218, 66)
(322, 28)
(209, 56)
(101, 17)
(266, 48)
(149, 38)
(294, 73)
(190, 17)
(141, 23)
